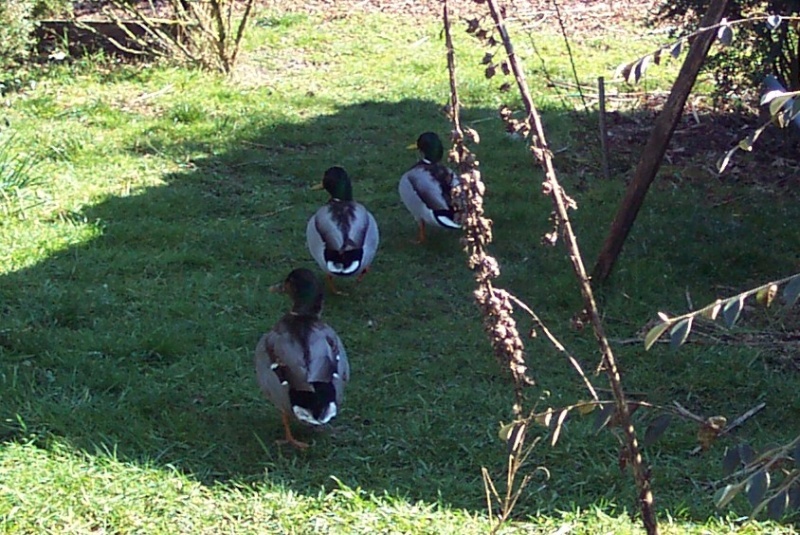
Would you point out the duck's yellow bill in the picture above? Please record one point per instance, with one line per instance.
(317, 187)
(413, 146)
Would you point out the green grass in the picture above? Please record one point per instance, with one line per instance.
(133, 287)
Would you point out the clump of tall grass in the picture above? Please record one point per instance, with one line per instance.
(16, 171)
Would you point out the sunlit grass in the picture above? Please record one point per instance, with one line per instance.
(133, 287)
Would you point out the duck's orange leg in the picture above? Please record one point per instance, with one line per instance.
(289, 437)
(361, 275)
(421, 233)
(331, 286)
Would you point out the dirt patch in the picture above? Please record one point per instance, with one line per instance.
(577, 15)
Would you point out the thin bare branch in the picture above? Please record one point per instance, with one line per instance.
(561, 203)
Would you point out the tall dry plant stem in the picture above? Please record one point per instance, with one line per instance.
(561, 203)
(495, 303)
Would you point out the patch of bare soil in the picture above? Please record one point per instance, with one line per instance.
(577, 15)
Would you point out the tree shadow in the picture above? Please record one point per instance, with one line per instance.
(139, 340)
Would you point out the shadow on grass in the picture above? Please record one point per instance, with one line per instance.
(139, 341)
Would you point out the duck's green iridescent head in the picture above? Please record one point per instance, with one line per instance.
(431, 147)
(305, 290)
(337, 183)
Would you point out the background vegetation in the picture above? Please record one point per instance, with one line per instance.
(157, 204)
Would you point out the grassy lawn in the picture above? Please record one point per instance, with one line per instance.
(134, 276)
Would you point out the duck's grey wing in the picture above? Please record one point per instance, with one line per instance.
(328, 360)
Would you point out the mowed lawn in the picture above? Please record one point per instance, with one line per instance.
(134, 281)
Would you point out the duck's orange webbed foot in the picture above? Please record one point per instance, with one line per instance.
(290, 440)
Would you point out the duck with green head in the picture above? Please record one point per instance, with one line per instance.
(427, 188)
(301, 364)
(342, 235)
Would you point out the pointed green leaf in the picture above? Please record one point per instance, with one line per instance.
(603, 417)
(747, 453)
(557, 428)
(516, 437)
(725, 34)
(723, 162)
(795, 109)
(711, 312)
(792, 291)
(655, 429)
(676, 49)
(777, 103)
(657, 56)
(794, 497)
(769, 96)
(640, 68)
(724, 495)
(777, 505)
(731, 311)
(623, 71)
(773, 21)
(505, 431)
(731, 462)
(680, 332)
(757, 487)
(654, 334)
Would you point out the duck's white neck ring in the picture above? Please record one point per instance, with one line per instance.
(427, 161)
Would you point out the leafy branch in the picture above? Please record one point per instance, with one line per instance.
(633, 71)
(770, 480)
(731, 308)
(756, 474)
(783, 107)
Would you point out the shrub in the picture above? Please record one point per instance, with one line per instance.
(756, 51)
(16, 31)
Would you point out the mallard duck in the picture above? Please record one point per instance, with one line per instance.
(342, 235)
(426, 188)
(301, 364)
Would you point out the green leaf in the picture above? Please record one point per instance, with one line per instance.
(723, 162)
(640, 68)
(747, 453)
(777, 505)
(757, 487)
(773, 21)
(654, 334)
(655, 429)
(724, 495)
(795, 109)
(516, 437)
(676, 49)
(777, 103)
(603, 417)
(794, 497)
(731, 461)
(792, 291)
(680, 332)
(623, 71)
(712, 312)
(557, 427)
(731, 311)
(725, 34)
